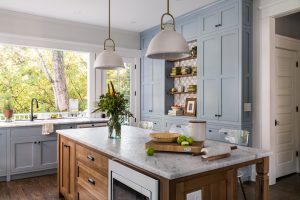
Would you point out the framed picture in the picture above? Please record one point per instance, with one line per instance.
(190, 106)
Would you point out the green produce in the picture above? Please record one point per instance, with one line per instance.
(180, 139)
(185, 143)
(150, 151)
(190, 140)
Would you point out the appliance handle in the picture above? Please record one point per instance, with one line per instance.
(130, 184)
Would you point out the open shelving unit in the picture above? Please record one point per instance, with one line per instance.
(171, 81)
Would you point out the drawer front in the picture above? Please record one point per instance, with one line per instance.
(213, 134)
(92, 159)
(83, 194)
(67, 126)
(92, 181)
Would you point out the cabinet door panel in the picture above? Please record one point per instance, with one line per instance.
(229, 16)
(229, 76)
(48, 153)
(210, 54)
(147, 98)
(210, 102)
(229, 54)
(229, 100)
(157, 71)
(23, 153)
(147, 70)
(209, 22)
(2, 153)
(189, 29)
(157, 98)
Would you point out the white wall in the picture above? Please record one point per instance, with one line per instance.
(21, 24)
(264, 15)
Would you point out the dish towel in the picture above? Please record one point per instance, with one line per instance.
(215, 151)
(48, 128)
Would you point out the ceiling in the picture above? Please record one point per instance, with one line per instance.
(133, 15)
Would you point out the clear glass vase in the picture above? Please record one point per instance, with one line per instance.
(114, 127)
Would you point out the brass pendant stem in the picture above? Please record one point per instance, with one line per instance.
(109, 38)
(167, 14)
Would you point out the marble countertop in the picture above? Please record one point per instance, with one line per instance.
(131, 149)
(54, 121)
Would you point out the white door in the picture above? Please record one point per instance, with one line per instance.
(284, 112)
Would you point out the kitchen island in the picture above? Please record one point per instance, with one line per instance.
(84, 155)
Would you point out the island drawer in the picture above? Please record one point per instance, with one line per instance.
(92, 159)
(93, 182)
(83, 194)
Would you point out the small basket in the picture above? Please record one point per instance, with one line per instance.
(164, 137)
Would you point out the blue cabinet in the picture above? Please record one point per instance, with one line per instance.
(219, 69)
(219, 18)
(188, 28)
(32, 151)
(3, 159)
(152, 92)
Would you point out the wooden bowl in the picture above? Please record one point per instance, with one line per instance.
(164, 137)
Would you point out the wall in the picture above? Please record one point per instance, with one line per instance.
(288, 26)
(21, 24)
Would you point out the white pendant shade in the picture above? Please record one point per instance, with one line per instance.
(109, 59)
(168, 45)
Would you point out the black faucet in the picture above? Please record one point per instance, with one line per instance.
(31, 108)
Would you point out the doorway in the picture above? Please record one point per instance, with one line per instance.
(285, 92)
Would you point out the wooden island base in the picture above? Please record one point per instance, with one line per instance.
(77, 162)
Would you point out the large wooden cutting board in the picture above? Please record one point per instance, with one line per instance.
(195, 148)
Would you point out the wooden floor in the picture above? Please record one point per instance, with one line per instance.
(44, 188)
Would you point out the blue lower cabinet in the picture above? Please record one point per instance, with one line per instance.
(212, 134)
(3, 160)
(23, 155)
(48, 153)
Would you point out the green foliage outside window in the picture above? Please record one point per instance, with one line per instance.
(22, 77)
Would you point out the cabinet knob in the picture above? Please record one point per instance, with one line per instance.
(210, 131)
(34, 142)
(150, 110)
(91, 181)
(90, 157)
(66, 146)
(218, 25)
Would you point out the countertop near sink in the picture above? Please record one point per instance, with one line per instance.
(131, 149)
(54, 121)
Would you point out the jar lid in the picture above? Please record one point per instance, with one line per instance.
(197, 121)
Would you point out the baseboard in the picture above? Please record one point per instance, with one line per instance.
(33, 174)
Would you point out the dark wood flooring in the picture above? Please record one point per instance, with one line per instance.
(45, 188)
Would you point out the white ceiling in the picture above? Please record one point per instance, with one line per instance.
(134, 15)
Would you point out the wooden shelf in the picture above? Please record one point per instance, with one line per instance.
(185, 75)
(183, 59)
(172, 93)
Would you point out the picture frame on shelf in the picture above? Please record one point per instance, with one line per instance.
(190, 106)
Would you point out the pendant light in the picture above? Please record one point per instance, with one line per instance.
(109, 59)
(168, 44)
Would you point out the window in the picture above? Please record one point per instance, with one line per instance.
(51, 76)
(121, 80)
(124, 82)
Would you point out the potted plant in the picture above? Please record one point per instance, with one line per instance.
(115, 106)
(7, 108)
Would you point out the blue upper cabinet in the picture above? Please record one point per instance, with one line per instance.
(188, 27)
(216, 19)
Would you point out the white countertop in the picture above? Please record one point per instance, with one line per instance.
(54, 121)
(131, 149)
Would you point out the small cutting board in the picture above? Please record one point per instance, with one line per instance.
(195, 148)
